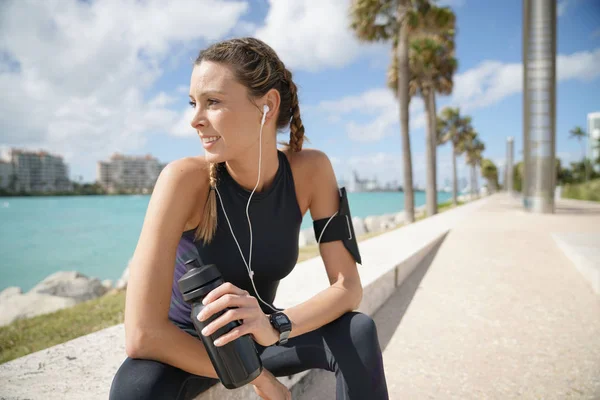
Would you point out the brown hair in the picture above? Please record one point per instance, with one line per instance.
(256, 66)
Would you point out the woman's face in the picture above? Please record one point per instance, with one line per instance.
(226, 121)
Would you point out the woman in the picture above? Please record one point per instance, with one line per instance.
(242, 94)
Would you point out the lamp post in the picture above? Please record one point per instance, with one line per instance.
(539, 104)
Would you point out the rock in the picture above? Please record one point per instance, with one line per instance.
(307, 237)
(70, 284)
(28, 305)
(359, 226)
(379, 223)
(122, 282)
(9, 292)
(387, 221)
(399, 218)
(107, 283)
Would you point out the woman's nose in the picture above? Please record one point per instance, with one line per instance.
(198, 120)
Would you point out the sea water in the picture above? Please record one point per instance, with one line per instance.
(97, 235)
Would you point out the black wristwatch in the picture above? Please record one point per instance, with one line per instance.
(282, 324)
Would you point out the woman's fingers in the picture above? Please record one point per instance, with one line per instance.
(227, 300)
(231, 315)
(225, 288)
(233, 334)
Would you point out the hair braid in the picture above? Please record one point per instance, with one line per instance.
(296, 126)
(208, 226)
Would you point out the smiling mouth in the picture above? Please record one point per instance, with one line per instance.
(210, 139)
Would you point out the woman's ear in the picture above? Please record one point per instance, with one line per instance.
(273, 100)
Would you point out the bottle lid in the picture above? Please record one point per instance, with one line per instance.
(197, 276)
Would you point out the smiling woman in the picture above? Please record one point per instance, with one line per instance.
(242, 95)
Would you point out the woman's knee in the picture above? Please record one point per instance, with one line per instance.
(139, 379)
(361, 326)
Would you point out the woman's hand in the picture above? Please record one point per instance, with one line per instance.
(254, 320)
(269, 388)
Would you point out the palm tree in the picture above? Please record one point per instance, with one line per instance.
(473, 148)
(579, 134)
(383, 20)
(431, 64)
(453, 128)
(490, 172)
(432, 67)
(395, 21)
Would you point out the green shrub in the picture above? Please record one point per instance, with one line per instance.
(583, 191)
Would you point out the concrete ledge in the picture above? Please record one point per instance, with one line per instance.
(583, 249)
(83, 368)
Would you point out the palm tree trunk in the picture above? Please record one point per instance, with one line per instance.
(585, 165)
(472, 181)
(434, 145)
(454, 177)
(430, 194)
(403, 76)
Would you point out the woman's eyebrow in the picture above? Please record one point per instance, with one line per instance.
(208, 92)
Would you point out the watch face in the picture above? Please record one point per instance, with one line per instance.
(280, 319)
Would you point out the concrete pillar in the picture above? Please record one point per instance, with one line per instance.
(539, 104)
(510, 147)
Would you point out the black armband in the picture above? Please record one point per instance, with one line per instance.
(339, 228)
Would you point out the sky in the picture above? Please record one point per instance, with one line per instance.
(86, 79)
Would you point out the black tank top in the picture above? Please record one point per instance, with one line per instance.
(276, 219)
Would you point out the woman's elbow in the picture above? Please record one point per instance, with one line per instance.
(139, 340)
(135, 342)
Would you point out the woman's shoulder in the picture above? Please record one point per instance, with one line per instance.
(188, 180)
(184, 177)
(312, 171)
(188, 171)
(308, 160)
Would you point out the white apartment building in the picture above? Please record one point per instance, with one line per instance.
(136, 174)
(593, 137)
(34, 171)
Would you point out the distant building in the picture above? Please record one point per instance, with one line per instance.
(34, 171)
(134, 174)
(6, 173)
(594, 138)
(362, 185)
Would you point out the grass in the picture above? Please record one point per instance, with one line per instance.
(583, 191)
(26, 336)
(37, 333)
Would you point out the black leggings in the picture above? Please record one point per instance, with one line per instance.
(347, 346)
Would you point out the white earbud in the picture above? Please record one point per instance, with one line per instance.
(265, 111)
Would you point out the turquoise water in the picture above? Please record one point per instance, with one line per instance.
(97, 235)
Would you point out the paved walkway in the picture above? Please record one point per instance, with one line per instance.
(500, 313)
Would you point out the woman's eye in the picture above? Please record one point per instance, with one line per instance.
(212, 101)
(192, 104)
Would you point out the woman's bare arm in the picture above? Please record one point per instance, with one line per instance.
(345, 291)
(149, 333)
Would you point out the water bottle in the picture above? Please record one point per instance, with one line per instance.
(237, 362)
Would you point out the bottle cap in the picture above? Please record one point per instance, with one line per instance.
(197, 276)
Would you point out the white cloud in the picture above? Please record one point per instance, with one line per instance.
(182, 127)
(378, 104)
(561, 7)
(491, 81)
(313, 34)
(76, 74)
